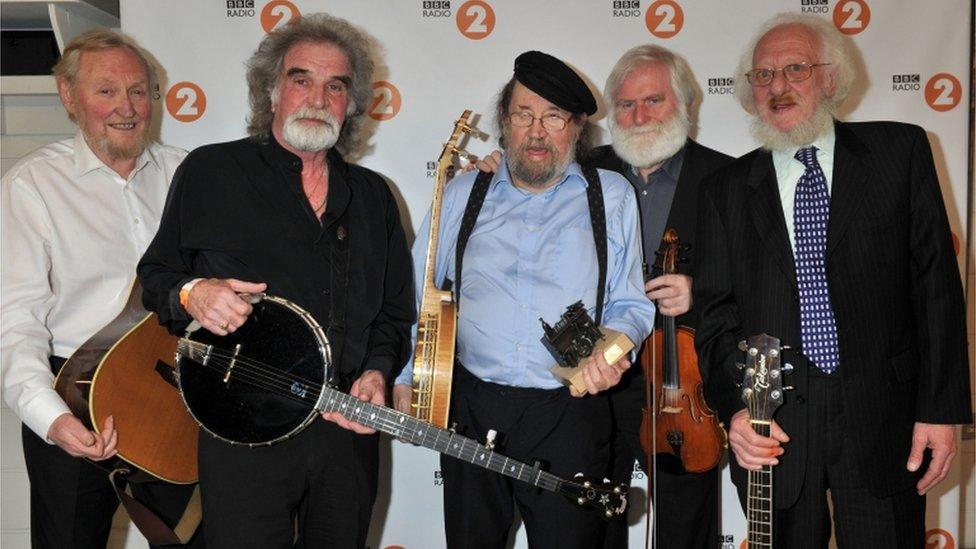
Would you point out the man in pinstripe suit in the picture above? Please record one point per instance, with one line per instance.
(833, 237)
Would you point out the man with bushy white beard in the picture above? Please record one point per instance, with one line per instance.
(833, 238)
(282, 212)
(652, 98)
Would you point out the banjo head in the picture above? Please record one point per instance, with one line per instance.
(260, 384)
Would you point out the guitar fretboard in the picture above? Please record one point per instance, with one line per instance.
(759, 504)
(412, 430)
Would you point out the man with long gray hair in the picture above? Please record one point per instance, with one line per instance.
(833, 238)
(264, 214)
(653, 98)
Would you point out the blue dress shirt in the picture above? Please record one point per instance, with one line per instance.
(530, 256)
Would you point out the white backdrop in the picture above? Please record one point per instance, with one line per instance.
(438, 57)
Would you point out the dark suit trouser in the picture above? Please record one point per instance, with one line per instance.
(324, 480)
(685, 504)
(861, 520)
(568, 435)
(72, 500)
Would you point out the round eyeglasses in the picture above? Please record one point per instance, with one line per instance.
(794, 72)
(524, 119)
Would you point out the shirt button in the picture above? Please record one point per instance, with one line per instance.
(644, 193)
(518, 346)
(136, 220)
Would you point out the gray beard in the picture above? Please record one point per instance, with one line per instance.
(311, 138)
(537, 175)
(801, 135)
(649, 145)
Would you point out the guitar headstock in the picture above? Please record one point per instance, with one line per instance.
(461, 126)
(762, 383)
(608, 498)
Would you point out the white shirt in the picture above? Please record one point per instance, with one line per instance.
(73, 231)
(789, 170)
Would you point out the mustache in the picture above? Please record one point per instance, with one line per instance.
(786, 99)
(314, 114)
(537, 143)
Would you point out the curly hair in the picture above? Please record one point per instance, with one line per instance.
(264, 70)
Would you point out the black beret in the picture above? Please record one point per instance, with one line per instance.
(554, 81)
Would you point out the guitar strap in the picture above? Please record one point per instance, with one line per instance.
(148, 522)
(598, 220)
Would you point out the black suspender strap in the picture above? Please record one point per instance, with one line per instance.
(598, 221)
(475, 201)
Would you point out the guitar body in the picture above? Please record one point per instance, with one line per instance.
(133, 384)
(253, 386)
(433, 364)
(124, 371)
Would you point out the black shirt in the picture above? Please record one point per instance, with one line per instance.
(237, 210)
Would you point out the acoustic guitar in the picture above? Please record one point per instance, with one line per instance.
(762, 392)
(125, 371)
(433, 362)
(267, 381)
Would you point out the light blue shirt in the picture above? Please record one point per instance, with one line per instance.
(530, 256)
(789, 170)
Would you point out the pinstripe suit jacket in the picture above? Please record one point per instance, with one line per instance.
(894, 285)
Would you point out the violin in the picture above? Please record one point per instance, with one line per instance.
(676, 419)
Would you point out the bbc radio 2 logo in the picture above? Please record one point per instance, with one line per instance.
(475, 19)
(852, 16)
(664, 18)
(720, 85)
(938, 538)
(278, 13)
(386, 101)
(943, 92)
(449, 172)
(240, 8)
(435, 8)
(186, 101)
(625, 8)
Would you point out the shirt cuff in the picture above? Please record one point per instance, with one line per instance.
(42, 411)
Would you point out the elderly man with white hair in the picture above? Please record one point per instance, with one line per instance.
(833, 238)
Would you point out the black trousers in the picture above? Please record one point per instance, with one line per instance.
(568, 435)
(323, 480)
(72, 500)
(686, 505)
(860, 519)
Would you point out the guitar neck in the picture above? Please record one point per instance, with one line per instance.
(759, 508)
(424, 434)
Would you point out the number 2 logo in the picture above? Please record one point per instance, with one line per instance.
(664, 18)
(277, 13)
(475, 19)
(943, 92)
(386, 101)
(851, 16)
(185, 101)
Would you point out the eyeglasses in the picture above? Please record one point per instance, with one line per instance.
(794, 72)
(524, 119)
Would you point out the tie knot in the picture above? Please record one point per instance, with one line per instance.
(808, 155)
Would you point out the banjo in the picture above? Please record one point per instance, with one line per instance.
(269, 379)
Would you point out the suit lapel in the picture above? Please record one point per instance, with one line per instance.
(767, 214)
(849, 181)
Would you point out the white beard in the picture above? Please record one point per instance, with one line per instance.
(311, 137)
(801, 135)
(649, 145)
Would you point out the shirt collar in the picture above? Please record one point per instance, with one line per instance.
(86, 161)
(825, 150)
(573, 172)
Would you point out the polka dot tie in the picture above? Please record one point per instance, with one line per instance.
(811, 210)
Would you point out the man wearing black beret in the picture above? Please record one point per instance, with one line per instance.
(537, 236)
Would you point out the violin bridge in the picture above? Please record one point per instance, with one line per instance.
(233, 361)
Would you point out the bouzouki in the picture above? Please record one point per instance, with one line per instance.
(433, 362)
(762, 392)
(267, 381)
(111, 375)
